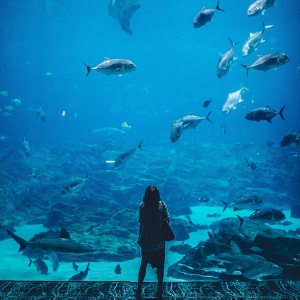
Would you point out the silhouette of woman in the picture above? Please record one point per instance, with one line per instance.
(151, 213)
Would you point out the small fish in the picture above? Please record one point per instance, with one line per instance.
(250, 164)
(40, 265)
(4, 93)
(289, 138)
(206, 103)
(205, 16)
(9, 108)
(74, 266)
(264, 113)
(118, 269)
(270, 143)
(81, 276)
(270, 216)
(254, 40)
(41, 114)
(267, 62)
(232, 100)
(113, 67)
(204, 199)
(73, 185)
(226, 60)
(244, 202)
(256, 249)
(16, 101)
(26, 148)
(223, 128)
(125, 126)
(123, 157)
(259, 7)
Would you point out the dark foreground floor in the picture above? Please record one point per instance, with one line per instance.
(125, 290)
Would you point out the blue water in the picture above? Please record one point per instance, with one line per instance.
(45, 43)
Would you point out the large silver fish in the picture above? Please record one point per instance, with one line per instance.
(289, 138)
(176, 130)
(205, 16)
(232, 100)
(244, 202)
(254, 40)
(73, 185)
(259, 7)
(123, 157)
(267, 62)
(226, 60)
(264, 113)
(113, 67)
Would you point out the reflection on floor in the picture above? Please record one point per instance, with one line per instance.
(90, 290)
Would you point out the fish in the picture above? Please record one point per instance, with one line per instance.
(176, 131)
(226, 60)
(264, 113)
(250, 164)
(123, 157)
(259, 7)
(205, 16)
(4, 93)
(81, 276)
(108, 130)
(123, 10)
(232, 100)
(269, 216)
(52, 256)
(74, 266)
(223, 128)
(204, 199)
(41, 114)
(254, 40)
(118, 269)
(192, 121)
(125, 127)
(206, 103)
(73, 185)
(251, 266)
(244, 202)
(26, 148)
(289, 138)
(63, 244)
(114, 66)
(267, 62)
(40, 265)
(16, 101)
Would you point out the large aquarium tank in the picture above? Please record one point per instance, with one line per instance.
(101, 98)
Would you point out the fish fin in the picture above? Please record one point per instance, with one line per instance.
(207, 117)
(18, 239)
(218, 7)
(88, 70)
(30, 262)
(270, 121)
(241, 221)
(225, 205)
(281, 113)
(262, 41)
(246, 68)
(64, 234)
(233, 43)
(235, 249)
(140, 145)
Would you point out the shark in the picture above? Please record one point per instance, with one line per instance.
(63, 244)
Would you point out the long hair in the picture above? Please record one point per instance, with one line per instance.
(151, 197)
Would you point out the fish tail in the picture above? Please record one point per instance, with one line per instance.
(281, 113)
(266, 26)
(241, 221)
(88, 69)
(30, 262)
(19, 240)
(225, 205)
(140, 145)
(233, 43)
(218, 7)
(208, 119)
(246, 68)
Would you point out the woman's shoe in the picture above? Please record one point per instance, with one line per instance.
(138, 294)
(159, 294)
